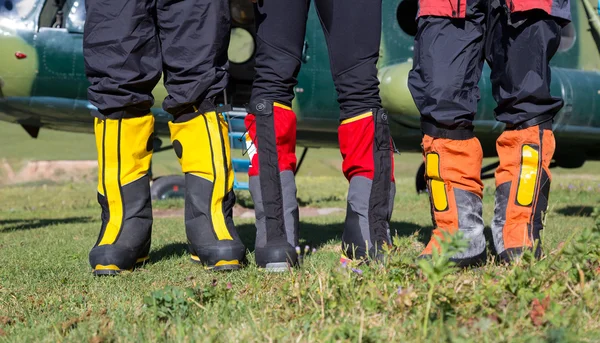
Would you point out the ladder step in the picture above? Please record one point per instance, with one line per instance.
(240, 165)
(237, 139)
(243, 186)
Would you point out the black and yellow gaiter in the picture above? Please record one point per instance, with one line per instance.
(201, 143)
(124, 153)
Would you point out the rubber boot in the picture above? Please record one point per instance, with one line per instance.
(522, 190)
(124, 153)
(201, 143)
(272, 150)
(453, 175)
(365, 145)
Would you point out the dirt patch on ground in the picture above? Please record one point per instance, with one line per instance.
(33, 171)
(242, 212)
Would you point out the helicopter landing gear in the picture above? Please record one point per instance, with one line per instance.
(420, 180)
(168, 187)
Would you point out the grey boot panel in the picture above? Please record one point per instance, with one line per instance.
(290, 209)
(470, 222)
(356, 228)
(259, 211)
(501, 203)
(391, 207)
(290, 206)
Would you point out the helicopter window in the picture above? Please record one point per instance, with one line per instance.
(241, 46)
(20, 8)
(568, 36)
(406, 15)
(76, 17)
(53, 14)
(7, 5)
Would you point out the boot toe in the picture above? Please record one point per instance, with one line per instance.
(276, 258)
(113, 259)
(223, 256)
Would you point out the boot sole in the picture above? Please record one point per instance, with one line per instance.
(222, 265)
(277, 267)
(111, 269)
(468, 262)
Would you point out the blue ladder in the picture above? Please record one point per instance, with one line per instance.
(237, 140)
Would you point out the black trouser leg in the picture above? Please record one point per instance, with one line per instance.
(353, 32)
(122, 55)
(280, 30)
(519, 50)
(194, 37)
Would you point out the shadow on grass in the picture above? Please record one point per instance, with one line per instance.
(425, 236)
(168, 251)
(313, 235)
(318, 235)
(576, 211)
(30, 224)
(489, 239)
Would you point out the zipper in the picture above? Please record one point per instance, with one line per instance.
(212, 157)
(458, 9)
(224, 152)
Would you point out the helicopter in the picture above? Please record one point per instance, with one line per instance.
(43, 82)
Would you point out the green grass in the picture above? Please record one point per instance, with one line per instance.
(47, 292)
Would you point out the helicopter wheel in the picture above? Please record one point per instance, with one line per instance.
(420, 180)
(168, 187)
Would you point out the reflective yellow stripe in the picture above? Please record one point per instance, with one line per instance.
(276, 104)
(219, 185)
(433, 166)
(142, 259)
(110, 171)
(528, 176)
(109, 267)
(438, 192)
(357, 118)
(438, 187)
(225, 135)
